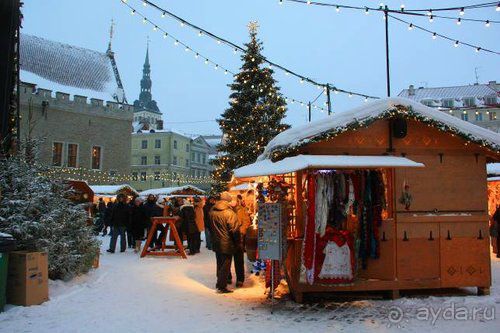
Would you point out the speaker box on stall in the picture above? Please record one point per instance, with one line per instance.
(399, 128)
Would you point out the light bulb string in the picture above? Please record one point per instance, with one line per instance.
(235, 46)
(207, 59)
(435, 34)
(402, 10)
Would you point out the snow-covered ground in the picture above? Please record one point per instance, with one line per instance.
(129, 294)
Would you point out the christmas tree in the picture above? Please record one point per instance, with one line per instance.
(37, 212)
(254, 117)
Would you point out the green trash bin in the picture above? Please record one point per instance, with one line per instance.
(7, 244)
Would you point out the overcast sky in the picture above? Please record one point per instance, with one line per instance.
(346, 49)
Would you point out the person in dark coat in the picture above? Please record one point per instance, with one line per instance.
(107, 218)
(120, 218)
(225, 238)
(495, 229)
(101, 206)
(189, 228)
(139, 221)
(153, 210)
(208, 225)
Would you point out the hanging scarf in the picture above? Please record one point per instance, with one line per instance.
(309, 234)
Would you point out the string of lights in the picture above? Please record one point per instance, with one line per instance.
(236, 48)
(436, 35)
(102, 176)
(412, 12)
(207, 60)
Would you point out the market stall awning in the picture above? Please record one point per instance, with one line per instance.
(301, 162)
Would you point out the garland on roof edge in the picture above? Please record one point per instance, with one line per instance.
(282, 152)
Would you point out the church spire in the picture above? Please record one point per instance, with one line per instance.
(145, 96)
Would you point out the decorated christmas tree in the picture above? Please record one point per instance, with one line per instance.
(255, 114)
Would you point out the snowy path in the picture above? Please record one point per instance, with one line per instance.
(128, 294)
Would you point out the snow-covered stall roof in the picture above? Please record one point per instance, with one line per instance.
(111, 190)
(320, 129)
(242, 187)
(493, 168)
(166, 191)
(69, 69)
(301, 162)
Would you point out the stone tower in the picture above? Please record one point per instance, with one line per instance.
(146, 110)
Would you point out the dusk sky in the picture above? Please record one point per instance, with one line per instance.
(346, 49)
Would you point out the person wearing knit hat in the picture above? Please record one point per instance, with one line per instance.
(225, 238)
(226, 196)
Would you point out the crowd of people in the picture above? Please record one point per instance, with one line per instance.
(223, 219)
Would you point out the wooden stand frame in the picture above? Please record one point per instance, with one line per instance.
(169, 225)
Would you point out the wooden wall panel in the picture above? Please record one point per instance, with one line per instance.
(457, 184)
(465, 254)
(417, 256)
(384, 267)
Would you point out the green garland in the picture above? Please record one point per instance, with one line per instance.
(281, 152)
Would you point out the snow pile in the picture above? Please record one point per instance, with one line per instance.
(298, 136)
(67, 68)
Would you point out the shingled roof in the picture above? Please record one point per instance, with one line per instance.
(70, 69)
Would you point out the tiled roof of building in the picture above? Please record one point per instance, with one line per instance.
(67, 68)
(458, 92)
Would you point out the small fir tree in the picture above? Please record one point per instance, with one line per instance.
(255, 114)
(37, 212)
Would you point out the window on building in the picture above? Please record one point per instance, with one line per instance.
(469, 101)
(57, 152)
(144, 144)
(157, 160)
(426, 102)
(175, 144)
(448, 103)
(158, 143)
(187, 147)
(96, 157)
(198, 157)
(187, 163)
(204, 159)
(174, 160)
(134, 176)
(464, 116)
(144, 160)
(157, 175)
(143, 176)
(493, 116)
(72, 155)
(192, 156)
(479, 116)
(490, 100)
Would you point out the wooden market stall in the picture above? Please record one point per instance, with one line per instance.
(109, 192)
(393, 190)
(164, 193)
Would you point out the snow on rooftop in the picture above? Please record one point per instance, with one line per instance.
(166, 191)
(111, 189)
(300, 135)
(493, 168)
(67, 68)
(301, 162)
(459, 92)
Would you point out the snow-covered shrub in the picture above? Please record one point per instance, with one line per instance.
(36, 211)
